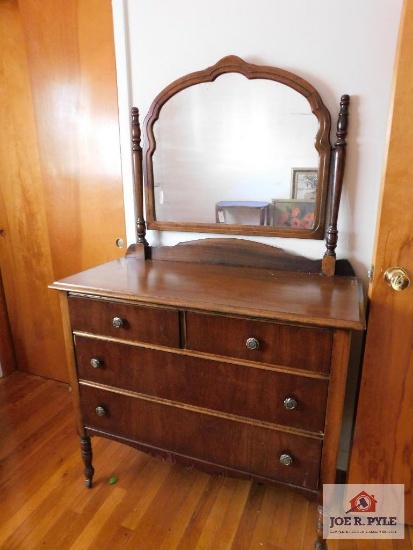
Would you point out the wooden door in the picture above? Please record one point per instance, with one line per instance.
(383, 440)
(7, 357)
(61, 199)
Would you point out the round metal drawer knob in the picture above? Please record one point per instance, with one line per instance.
(95, 363)
(117, 322)
(252, 343)
(286, 460)
(290, 403)
(100, 411)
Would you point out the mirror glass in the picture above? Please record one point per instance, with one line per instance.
(236, 151)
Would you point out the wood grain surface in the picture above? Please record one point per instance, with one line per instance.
(383, 440)
(154, 505)
(61, 197)
(282, 295)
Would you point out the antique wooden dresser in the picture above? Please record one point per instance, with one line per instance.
(224, 354)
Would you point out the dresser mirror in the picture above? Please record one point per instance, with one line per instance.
(233, 140)
(240, 149)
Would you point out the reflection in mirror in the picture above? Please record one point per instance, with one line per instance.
(226, 150)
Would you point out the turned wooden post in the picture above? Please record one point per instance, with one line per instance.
(138, 180)
(339, 161)
(87, 455)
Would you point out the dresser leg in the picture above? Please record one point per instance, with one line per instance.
(320, 543)
(87, 455)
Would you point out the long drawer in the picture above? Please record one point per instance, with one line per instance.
(217, 440)
(254, 392)
(264, 342)
(130, 322)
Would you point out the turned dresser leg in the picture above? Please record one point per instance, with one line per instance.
(320, 543)
(87, 455)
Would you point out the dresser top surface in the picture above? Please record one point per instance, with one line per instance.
(266, 293)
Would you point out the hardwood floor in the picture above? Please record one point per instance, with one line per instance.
(154, 505)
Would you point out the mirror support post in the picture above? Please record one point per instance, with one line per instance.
(329, 259)
(138, 180)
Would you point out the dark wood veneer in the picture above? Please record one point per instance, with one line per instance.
(220, 440)
(301, 298)
(279, 344)
(243, 390)
(144, 324)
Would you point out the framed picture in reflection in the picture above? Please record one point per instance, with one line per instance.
(293, 213)
(304, 183)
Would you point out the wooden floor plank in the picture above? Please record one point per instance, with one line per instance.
(297, 526)
(147, 487)
(200, 514)
(218, 510)
(183, 516)
(85, 502)
(31, 532)
(153, 505)
(249, 516)
(154, 523)
(310, 521)
(265, 519)
(402, 544)
(31, 502)
(55, 536)
(15, 387)
(18, 422)
(20, 468)
(224, 538)
(282, 518)
(89, 537)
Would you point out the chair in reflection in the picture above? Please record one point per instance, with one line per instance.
(243, 212)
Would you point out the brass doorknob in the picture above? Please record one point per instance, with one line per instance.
(397, 278)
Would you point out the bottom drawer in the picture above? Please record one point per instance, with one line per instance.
(219, 440)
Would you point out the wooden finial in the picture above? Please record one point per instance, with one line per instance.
(339, 160)
(138, 179)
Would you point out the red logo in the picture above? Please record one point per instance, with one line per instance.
(363, 502)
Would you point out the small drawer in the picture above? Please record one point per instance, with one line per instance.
(126, 321)
(252, 392)
(260, 341)
(241, 446)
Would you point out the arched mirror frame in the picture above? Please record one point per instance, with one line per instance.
(330, 174)
(233, 64)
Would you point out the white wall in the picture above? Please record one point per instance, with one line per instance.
(339, 47)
